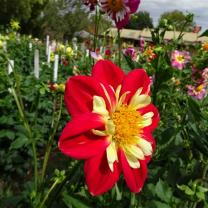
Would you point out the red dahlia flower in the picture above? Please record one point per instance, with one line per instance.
(111, 126)
(119, 10)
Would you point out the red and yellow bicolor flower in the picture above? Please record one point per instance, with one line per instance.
(111, 126)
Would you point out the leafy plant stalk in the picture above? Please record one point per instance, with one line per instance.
(97, 20)
(28, 129)
(57, 181)
(49, 144)
(133, 197)
(119, 47)
(17, 97)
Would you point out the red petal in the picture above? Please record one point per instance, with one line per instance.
(155, 118)
(79, 94)
(81, 124)
(123, 22)
(133, 81)
(134, 178)
(74, 140)
(106, 72)
(133, 5)
(83, 147)
(99, 177)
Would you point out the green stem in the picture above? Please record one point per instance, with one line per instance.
(186, 204)
(71, 176)
(17, 96)
(119, 47)
(27, 127)
(194, 204)
(203, 177)
(205, 172)
(118, 193)
(133, 197)
(49, 144)
(156, 82)
(48, 193)
(96, 27)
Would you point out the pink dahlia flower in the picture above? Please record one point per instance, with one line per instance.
(111, 126)
(197, 75)
(130, 51)
(141, 44)
(179, 59)
(95, 55)
(205, 74)
(119, 10)
(198, 92)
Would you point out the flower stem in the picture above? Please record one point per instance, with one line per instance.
(48, 193)
(133, 197)
(49, 144)
(119, 47)
(96, 26)
(15, 91)
(71, 176)
(28, 129)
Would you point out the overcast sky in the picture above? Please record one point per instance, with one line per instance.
(198, 7)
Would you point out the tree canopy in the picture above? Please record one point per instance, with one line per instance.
(140, 21)
(25, 11)
(58, 18)
(178, 20)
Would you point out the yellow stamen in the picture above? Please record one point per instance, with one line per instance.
(126, 121)
(180, 58)
(115, 5)
(199, 88)
(205, 46)
(123, 127)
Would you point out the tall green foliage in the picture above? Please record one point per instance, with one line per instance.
(178, 19)
(25, 11)
(140, 21)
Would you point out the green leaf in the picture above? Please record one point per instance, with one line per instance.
(202, 189)
(157, 204)
(19, 143)
(167, 134)
(74, 201)
(161, 205)
(195, 109)
(7, 133)
(200, 195)
(163, 191)
(186, 190)
(7, 120)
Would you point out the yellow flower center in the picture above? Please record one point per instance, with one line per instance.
(126, 121)
(199, 88)
(180, 58)
(205, 46)
(115, 5)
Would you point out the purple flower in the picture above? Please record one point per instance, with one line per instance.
(179, 59)
(205, 74)
(95, 55)
(197, 75)
(198, 92)
(130, 51)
